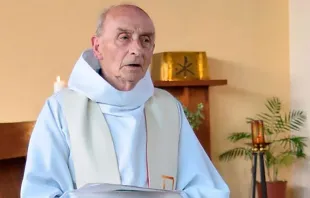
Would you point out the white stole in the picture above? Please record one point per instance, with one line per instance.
(92, 147)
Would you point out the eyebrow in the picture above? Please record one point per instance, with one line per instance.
(130, 31)
(123, 30)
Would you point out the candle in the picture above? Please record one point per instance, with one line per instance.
(261, 132)
(258, 139)
(254, 130)
(257, 127)
(59, 84)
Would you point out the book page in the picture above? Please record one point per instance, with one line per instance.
(118, 191)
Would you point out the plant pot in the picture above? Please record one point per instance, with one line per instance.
(274, 189)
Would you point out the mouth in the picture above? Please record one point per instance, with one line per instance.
(134, 65)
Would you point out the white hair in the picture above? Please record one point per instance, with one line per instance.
(100, 21)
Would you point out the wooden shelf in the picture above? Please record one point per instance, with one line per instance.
(192, 83)
(14, 139)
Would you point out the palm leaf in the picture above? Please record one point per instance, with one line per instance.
(272, 123)
(234, 137)
(273, 105)
(267, 118)
(246, 153)
(294, 143)
(280, 124)
(300, 153)
(249, 120)
(295, 120)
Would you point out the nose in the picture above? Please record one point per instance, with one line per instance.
(135, 48)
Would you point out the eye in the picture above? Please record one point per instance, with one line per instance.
(146, 39)
(124, 37)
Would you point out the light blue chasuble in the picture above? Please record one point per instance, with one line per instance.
(50, 170)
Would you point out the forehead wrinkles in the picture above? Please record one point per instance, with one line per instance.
(132, 25)
(130, 19)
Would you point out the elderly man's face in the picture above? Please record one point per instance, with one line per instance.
(126, 45)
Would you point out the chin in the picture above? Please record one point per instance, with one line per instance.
(134, 78)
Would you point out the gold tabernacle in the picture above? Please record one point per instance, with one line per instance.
(179, 66)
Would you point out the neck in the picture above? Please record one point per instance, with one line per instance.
(119, 83)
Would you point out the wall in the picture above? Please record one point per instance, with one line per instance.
(246, 42)
(299, 74)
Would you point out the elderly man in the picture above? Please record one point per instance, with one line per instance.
(112, 126)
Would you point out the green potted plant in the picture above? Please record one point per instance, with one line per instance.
(285, 147)
(194, 117)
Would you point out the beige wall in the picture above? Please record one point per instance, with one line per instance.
(299, 74)
(246, 42)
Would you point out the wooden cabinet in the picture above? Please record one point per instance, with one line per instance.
(11, 175)
(191, 93)
(14, 138)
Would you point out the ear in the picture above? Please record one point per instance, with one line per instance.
(95, 42)
(153, 47)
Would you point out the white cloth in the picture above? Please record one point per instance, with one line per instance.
(49, 170)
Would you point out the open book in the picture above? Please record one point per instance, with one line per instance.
(119, 191)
